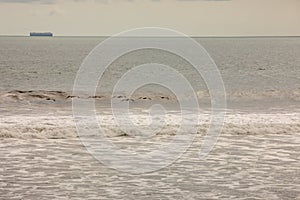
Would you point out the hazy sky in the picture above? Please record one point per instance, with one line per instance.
(192, 17)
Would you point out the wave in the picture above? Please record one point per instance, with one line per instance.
(62, 96)
(18, 95)
(63, 132)
(54, 96)
(63, 127)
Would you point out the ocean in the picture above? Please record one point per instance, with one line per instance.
(258, 72)
(257, 153)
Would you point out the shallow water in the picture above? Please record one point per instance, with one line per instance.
(240, 167)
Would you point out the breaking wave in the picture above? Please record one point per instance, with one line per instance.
(63, 127)
(58, 96)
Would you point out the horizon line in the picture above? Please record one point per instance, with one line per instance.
(193, 36)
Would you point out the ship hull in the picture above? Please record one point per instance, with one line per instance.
(41, 34)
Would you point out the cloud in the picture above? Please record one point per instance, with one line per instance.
(100, 1)
(203, 0)
(110, 1)
(56, 12)
(28, 1)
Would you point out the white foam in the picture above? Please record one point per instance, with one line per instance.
(53, 127)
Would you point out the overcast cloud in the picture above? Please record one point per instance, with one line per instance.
(192, 17)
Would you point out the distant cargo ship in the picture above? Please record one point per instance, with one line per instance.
(47, 34)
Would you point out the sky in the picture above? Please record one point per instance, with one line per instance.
(192, 17)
